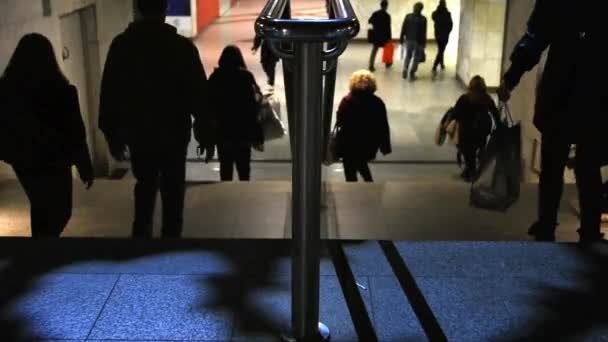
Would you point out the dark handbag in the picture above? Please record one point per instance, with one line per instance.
(371, 36)
(497, 185)
(421, 55)
(331, 152)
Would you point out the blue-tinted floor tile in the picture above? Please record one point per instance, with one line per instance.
(393, 316)
(489, 259)
(61, 306)
(469, 309)
(163, 308)
(367, 259)
(171, 263)
(274, 311)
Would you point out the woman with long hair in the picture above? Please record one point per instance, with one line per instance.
(45, 134)
(233, 95)
(363, 128)
(474, 111)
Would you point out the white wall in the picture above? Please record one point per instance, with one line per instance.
(481, 40)
(19, 17)
(523, 99)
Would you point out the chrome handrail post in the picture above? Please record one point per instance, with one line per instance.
(306, 204)
(310, 77)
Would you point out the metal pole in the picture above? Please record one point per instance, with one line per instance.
(328, 105)
(308, 77)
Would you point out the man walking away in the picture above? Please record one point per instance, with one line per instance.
(153, 83)
(380, 33)
(413, 34)
(442, 19)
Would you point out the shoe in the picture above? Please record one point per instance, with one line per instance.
(389, 65)
(467, 176)
(442, 67)
(541, 234)
(434, 73)
(405, 75)
(591, 238)
(372, 69)
(413, 77)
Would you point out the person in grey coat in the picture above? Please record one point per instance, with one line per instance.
(413, 35)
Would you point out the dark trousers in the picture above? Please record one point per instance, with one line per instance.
(157, 170)
(270, 70)
(439, 60)
(470, 153)
(554, 156)
(354, 166)
(231, 156)
(49, 191)
(372, 57)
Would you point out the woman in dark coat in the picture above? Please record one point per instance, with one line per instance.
(39, 99)
(363, 127)
(233, 92)
(442, 19)
(474, 111)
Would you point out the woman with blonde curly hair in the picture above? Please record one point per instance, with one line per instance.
(362, 127)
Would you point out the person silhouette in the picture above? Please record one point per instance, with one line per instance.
(267, 58)
(568, 106)
(43, 134)
(153, 84)
(233, 92)
(413, 38)
(362, 127)
(442, 19)
(380, 33)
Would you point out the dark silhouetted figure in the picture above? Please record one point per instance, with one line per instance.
(569, 107)
(380, 33)
(442, 19)
(153, 83)
(268, 59)
(43, 134)
(362, 127)
(233, 92)
(413, 35)
(474, 111)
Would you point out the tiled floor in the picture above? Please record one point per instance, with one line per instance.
(404, 210)
(414, 108)
(240, 290)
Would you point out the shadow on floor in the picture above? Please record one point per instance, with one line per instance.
(253, 266)
(572, 306)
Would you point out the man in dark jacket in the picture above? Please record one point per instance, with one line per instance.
(380, 33)
(566, 113)
(442, 19)
(413, 35)
(268, 59)
(152, 84)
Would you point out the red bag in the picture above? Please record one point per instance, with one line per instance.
(388, 53)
